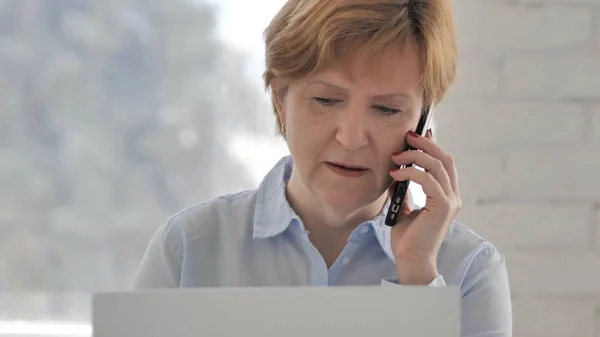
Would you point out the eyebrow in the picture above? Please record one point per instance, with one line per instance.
(390, 95)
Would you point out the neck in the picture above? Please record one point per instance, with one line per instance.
(329, 227)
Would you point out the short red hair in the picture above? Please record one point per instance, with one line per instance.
(308, 36)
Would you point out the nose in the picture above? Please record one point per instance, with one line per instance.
(352, 131)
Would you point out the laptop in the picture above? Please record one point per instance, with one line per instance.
(277, 312)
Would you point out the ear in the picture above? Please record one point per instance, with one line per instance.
(278, 97)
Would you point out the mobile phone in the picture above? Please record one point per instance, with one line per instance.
(402, 186)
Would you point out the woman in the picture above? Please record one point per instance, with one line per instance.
(349, 79)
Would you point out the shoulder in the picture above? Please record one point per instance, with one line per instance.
(465, 253)
(225, 212)
(463, 237)
(190, 232)
(479, 270)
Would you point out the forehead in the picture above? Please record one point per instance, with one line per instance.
(394, 70)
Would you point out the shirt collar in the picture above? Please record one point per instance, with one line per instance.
(273, 214)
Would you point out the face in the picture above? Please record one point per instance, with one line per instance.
(344, 124)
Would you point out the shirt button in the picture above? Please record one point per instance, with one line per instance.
(364, 229)
(345, 260)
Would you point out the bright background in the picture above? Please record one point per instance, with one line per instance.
(115, 116)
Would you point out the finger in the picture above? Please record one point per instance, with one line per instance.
(427, 145)
(450, 167)
(431, 187)
(430, 164)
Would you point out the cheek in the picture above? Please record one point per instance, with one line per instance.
(396, 134)
(296, 113)
(387, 143)
(305, 128)
(301, 146)
(391, 142)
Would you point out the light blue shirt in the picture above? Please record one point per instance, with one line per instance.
(254, 238)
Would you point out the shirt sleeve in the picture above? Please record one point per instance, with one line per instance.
(486, 309)
(437, 282)
(161, 263)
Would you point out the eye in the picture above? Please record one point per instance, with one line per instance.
(326, 101)
(386, 110)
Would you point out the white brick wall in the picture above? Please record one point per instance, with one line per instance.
(568, 75)
(523, 123)
(596, 124)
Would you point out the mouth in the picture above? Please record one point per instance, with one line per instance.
(347, 167)
(347, 170)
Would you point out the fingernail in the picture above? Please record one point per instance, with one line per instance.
(396, 153)
(430, 133)
(413, 134)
